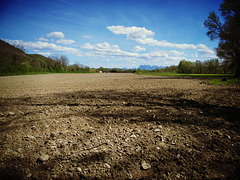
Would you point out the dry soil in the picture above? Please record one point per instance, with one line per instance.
(118, 126)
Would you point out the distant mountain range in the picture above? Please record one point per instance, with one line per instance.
(148, 67)
(145, 67)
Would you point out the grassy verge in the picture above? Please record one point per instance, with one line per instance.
(17, 74)
(36, 73)
(224, 81)
(186, 75)
(214, 79)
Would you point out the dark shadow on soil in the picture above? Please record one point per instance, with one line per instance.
(138, 107)
(133, 106)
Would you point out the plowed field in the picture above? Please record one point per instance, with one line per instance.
(118, 126)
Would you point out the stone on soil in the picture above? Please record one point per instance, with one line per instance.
(145, 166)
(43, 158)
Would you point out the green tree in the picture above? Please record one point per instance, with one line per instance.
(186, 67)
(198, 67)
(228, 33)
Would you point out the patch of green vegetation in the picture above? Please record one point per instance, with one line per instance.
(17, 74)
(214, 79)
(156, 74)
(185, 75)
(224, 81)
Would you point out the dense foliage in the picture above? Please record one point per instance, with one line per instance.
(212, 66)
(228, 33)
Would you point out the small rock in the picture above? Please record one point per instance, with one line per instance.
(78, 169)
(160, 126)
(227, 136)
(173, 143)
(107, 166)
(43, 158)
(157, 130)
(200, 112)
(178, 176)
(145, 166)
(10, 113)
(178, 156)
(33, 127)
(133, 136)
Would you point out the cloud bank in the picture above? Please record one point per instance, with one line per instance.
(143, 36)
(46, 48)
(146, 51)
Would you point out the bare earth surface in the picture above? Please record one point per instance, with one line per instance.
(118, 126)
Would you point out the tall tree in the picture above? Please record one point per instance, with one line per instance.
(228, 33)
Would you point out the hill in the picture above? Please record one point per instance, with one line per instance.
(14, 60)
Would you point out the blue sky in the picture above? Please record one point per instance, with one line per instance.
(111, 33)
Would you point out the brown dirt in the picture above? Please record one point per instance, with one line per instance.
(118, 126)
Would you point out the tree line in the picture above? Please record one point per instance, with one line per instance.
(212, 66)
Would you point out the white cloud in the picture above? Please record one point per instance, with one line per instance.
(131, 32)
(162, 55)
(101, 47)
(46, 46)
(42, 39)
(165, 53)
(143, 36)
(138, 49)
(105, 49)
(145, 56)
(205, 52)
(176, 53)
(56, 35)
(65, 41)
